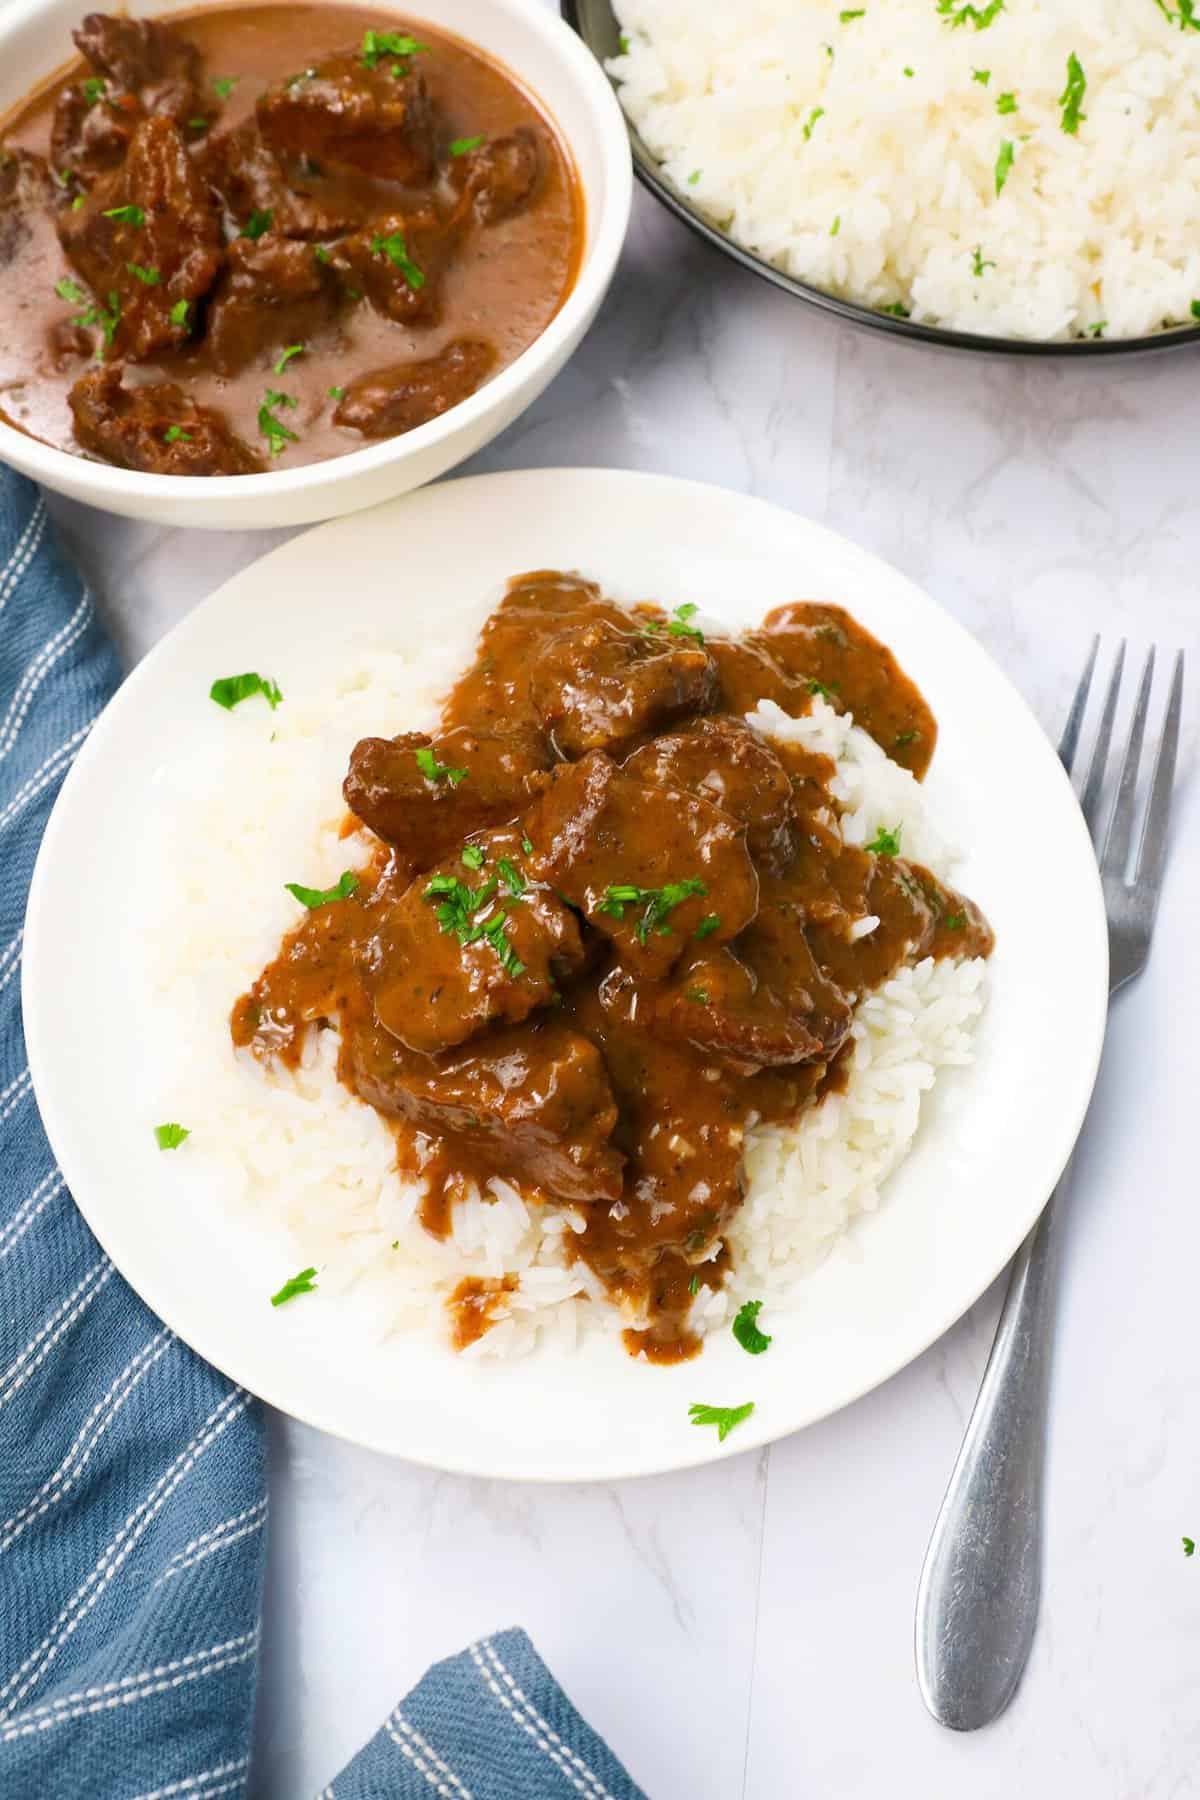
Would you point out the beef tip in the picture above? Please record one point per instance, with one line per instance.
(500, 177)
(250, 180)
(343, 115)
(470, 944)
(723, 760)
(164, 248)
(389, 401)
(92, 132)
(596, 685)
(648, 866)
(777, 951)
(158, 428)
(423, 816)
(534, 1104)
(719, 1004)
(26, 188)
(143, 57)
(398, 261)
(273, 291)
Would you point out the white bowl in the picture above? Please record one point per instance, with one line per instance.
(552, 62)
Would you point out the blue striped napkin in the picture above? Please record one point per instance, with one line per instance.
(133, 1499)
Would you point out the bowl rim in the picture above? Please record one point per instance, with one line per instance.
(863, 318)
(61, 469)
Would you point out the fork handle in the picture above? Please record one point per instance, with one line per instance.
(977, 1603)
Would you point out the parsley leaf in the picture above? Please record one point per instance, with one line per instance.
(694, 1286)
(179, 312)
(342, 889)
(745, 1329)
(1071, 97)
(433, 770)
(457, 905)
(707, 925)
(126, 215)
(693, 178)
(464, 146)
(898, 310)
(513, 879)
(657, 903)
(94, 89)
(818, 112)
(169, 1137)
(970, 15)
(1004, 162)
(273, 429)
(982, 76)
(472, 856)
(303, 1283)
(844, 18)
(1189, 1546)
(396, 251)
(147, 277)
(223, 85)
(175, 434)
(66, 289)
(260, 221)
(723, 1417)
(232, 689)
(885, 843)
(1006, 103)
(287, 355)
(322, 255)
(978, 262)
(377, 44)
(698, 996)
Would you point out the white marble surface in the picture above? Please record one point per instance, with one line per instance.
(748, 1630)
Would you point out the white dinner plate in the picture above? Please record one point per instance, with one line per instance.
(992, 1142)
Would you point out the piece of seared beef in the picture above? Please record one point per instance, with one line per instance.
(425, 796)
(474, 942)
(398, 262)
(147, 242)
(531, 1102)
(596, 686)
(649, 867)
(341, 114)
(141, 67)
(158, 428)
(501, 176)
(273, 291)
(722, 760)
(252, 183)
(389, 401)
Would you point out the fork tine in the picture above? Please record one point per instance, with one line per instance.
(1152, 850)
(1120, 828)
(1094, 786)
(1069, 742)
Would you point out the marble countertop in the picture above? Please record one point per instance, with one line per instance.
(747, 1630)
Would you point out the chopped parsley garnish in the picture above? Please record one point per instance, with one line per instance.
(496, 936)
(287, 355)
(1006, 103)
(699, 996)
(223, 85)
(147, 277)
(954, 921)
(273, 429)
(1097, 330)
(1071, 97)
(708, 924)
(1195, 309)
(1189, 1546)
(908, 72)
(836, 226)
(979, 17)
(94, 89)
(126, 215)
(527, 846)
(342, 889)
(844, 18)
(175, 434)
(818, 112)
(303, 1283)
(473, 856)
(197, 124)
(982, 76)
(906, 737)
(337, 393)
(230, 690)
(693, 178)
(179, 312)
(106, 320)
(433, 770)
(464, 146)
(655, 902)
(723, 1417)
(819, 688)
(457, 906)
(898, 310)
(694, 1286)
(396, 251)
(79, 202)
(1187, 20)
(1004, 162)
(169, 1137)
(322, 255)
(885, 842)
(66, 289)
(978, 262)
(377, 44)
(260, 221)
(512, 877)
(745, 1329)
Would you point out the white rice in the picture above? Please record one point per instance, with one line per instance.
(860, 154)
(312, 1168)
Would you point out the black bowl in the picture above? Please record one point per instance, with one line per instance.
(596, 24)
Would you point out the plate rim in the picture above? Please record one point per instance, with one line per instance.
(758, 1431)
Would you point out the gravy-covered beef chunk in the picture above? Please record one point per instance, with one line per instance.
(148, 235)
(26, 189)
(92, 130)
(599, 686)
(649, 867)
(252, 185)
(145, 57)
(273, 292)
(343, 114)
(473, 942)
(159, 429)
(397, 261)
(499, 177)
(722, 760)
(533, 1103)
(425, 795)
(388, 401)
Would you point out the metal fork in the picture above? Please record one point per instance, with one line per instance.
(978, 1598)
